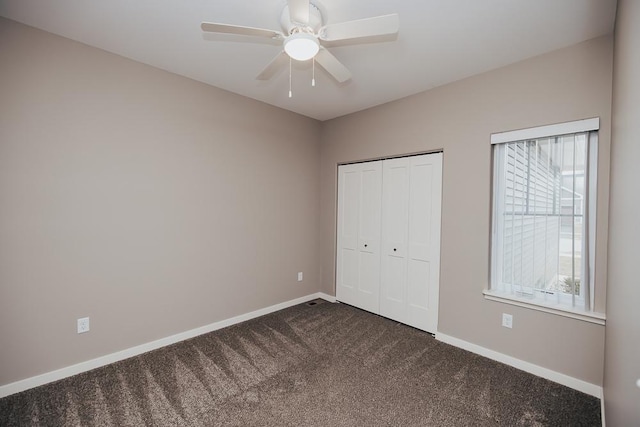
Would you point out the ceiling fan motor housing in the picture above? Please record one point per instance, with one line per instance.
(315, 21)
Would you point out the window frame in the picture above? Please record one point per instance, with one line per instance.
(586, 311)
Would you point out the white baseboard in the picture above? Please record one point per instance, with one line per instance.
(566, 380)
(68, 371)
(326, 297)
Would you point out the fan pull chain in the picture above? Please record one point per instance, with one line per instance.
(290, 94)
(313, 75)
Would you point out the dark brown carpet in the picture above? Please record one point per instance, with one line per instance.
(309, 365)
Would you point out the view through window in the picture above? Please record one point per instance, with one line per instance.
(540, 248)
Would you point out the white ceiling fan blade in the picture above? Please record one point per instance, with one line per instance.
(299, 11)
(368, 27)
(274, 66)
(212, 27)
(326, 60)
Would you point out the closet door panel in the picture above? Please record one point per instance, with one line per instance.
(358, 258)
(424, 241)
(348, 213)
(395, 217)
(369, 235)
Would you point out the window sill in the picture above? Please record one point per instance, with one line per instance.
(586, 316)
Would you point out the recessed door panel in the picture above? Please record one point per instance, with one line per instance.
(395, 272)
(349, 270)
(419, 304)
(396, 201)
(418, 284)
(420, 209)
(369, 220)
(350, 208)
(369, 273)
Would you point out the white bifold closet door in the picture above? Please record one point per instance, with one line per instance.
(410, 264)
(358, 258)
(392, 270)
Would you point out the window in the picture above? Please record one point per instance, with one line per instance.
(544, 214)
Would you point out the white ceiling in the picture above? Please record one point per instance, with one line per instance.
(440, 41)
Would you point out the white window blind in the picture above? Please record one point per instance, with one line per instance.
(541, 249)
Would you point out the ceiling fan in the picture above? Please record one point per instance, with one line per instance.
(302, 34)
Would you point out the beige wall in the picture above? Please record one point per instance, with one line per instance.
(151, 203)
(569, 84)
(622, 349)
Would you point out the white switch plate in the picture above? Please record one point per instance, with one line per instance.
(507, 320)
(300, 276)
(83, 325)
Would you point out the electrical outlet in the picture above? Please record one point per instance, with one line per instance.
(507, 320)
(83, 325)
(300, 276)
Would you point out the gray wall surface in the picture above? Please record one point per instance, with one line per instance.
(150, 202)
(568, 84)
(622, 347)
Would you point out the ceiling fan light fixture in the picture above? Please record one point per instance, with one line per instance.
(301, 46)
